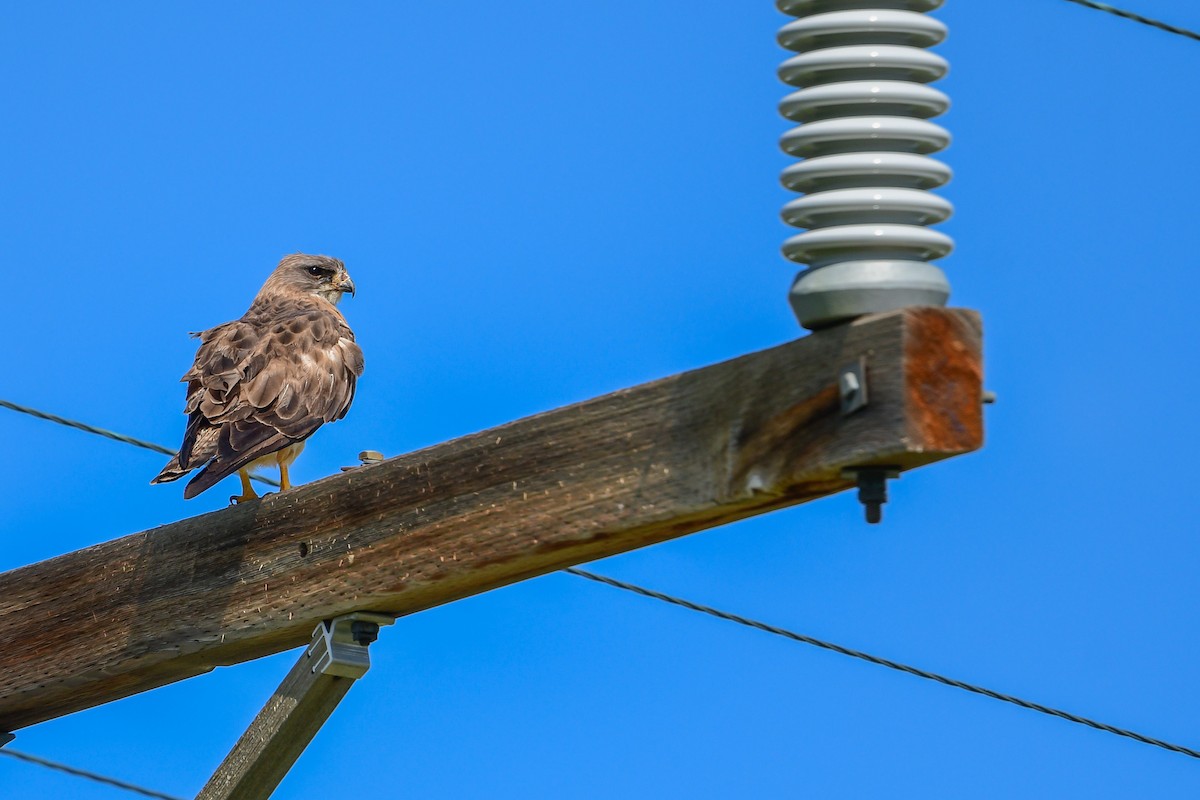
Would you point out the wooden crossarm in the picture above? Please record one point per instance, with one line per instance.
(618, 472)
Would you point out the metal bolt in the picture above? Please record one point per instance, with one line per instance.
(365, 459)
(872, 488)
(364, 633)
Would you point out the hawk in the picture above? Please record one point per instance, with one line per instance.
(262, 384)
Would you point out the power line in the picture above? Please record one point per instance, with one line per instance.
(119, 437)
(883, 662)
(1153, 23)
(91, 776)
(678, 601)
(83, 426)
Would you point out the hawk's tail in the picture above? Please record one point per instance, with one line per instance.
(171, 472)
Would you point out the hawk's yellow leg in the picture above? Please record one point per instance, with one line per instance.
(284, 482)
(247, 489)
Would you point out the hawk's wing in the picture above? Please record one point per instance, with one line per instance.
(262, 383)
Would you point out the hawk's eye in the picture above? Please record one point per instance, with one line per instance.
(317, 272)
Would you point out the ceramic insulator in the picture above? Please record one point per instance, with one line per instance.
(865, 138)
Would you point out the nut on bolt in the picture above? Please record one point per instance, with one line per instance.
(872, 488)
(363, 632)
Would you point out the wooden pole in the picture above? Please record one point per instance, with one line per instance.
(619, 472)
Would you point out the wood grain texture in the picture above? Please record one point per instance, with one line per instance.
(608, 475)
(279, 734)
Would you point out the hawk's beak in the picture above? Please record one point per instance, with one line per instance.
(346, 285)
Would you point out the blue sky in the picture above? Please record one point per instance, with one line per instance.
(541, 203)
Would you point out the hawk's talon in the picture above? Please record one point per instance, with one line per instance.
(247, 489)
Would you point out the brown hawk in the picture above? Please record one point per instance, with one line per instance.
(262, 384)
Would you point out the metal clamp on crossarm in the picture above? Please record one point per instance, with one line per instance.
(339, 645)
(334, 659)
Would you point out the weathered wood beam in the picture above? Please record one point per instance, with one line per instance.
(619, 472)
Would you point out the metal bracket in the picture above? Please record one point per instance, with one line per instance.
(872, 488)
(339, 645)
(852, 386)
(320, 678)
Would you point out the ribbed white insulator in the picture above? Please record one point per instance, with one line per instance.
(855, 98)
(864, 134)
(862, 26)
(853, 170)
(863, 62)
(802, 8)
(875, 204)
(861, 71)
(825, 246)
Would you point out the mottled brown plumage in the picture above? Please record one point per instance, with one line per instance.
(262, 384)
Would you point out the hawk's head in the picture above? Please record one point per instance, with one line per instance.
(320, 275)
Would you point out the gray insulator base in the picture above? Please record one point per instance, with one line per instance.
(828, 295)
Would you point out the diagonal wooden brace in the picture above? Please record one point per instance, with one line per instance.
(307, 697)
